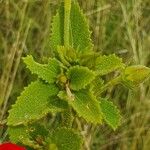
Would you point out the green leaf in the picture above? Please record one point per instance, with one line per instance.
(81, 36)
(61, 55)
(67, 118)
(67, 55)
(89, 59)
(20, 134)
(79, 29)
(34, 103)
(134, 75)
(110, 113)
(66, 139)
(71, 55)
(80, 77)
(107, 64)
(85, 104)
(97, 85)
(47, 72)
(38, 133)
(33, 135)
(57, 29)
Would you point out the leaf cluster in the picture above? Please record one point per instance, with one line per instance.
(70, 83)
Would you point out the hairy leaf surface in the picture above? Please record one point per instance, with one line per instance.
(107, 64)
(85, 104)
(79, 29)
(47, 72)
(66, 139)
(34, 103)
(80, 77)
(67, 55)
(20, 134)
(32, 135)
(57, 29)
(96, 86)
(110, 113)
(80, 33)
(89, 59)
(38, 132)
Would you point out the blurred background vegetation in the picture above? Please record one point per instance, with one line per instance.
(119, 26)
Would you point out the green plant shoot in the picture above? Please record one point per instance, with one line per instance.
(69, 88)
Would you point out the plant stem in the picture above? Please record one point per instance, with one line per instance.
(67, 7)
(111, 83)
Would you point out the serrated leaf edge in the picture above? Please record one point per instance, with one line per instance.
(72, 130)
(44, 65)
(86, 24)
(31, 120)
(89, 121)
(87, 69)
(118, 112)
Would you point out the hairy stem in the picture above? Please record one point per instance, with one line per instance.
(67, 7)
(111, 83)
